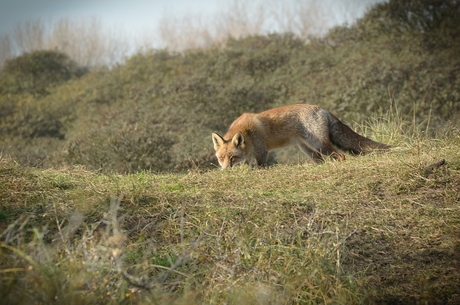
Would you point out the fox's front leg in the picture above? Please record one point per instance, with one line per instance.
(261, 158)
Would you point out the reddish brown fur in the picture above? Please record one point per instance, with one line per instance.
(314, 130)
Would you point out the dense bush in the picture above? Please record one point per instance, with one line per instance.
(122, 139)
(34, 112)
(157, 110)
(36, 72)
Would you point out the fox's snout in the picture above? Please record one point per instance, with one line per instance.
(229, 152)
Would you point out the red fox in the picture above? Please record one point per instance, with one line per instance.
(313, 129)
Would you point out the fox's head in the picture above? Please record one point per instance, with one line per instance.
(229, 152)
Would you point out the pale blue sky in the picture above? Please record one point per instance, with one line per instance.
(133, 15)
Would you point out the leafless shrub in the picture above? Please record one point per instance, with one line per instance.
(240, 19)
(5, 49)
(303, 18)
(89, 43)
(236, 20)
(29, 36)
(86, 41)
(179, 34)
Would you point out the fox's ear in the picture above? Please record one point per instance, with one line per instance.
(238, 140)
(217, 140)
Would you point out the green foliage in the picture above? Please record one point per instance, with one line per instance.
(157, 110)
(426, 19)
(37, 71)
(424, 15)
(35, 108)
(122, 146)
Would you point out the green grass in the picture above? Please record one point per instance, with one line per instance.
(373, 229)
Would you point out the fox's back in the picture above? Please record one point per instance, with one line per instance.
(280, 126)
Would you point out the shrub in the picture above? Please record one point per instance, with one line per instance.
(37, 71)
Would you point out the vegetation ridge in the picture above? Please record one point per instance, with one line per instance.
(374, 229)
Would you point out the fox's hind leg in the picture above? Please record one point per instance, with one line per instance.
(314, 155)
(321, 152)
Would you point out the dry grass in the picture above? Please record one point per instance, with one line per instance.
(374, 229)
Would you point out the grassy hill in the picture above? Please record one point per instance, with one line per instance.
(374, 229)
(157, 110)
(109, 193)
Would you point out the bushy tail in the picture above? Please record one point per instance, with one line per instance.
(346, 139)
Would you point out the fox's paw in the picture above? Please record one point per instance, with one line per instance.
(338, 156)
